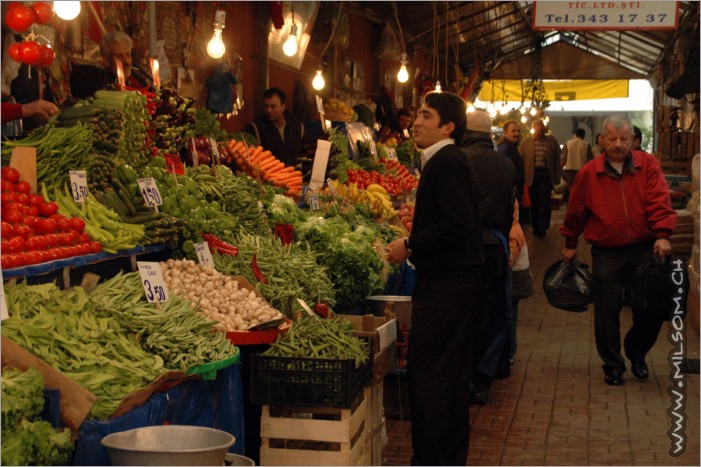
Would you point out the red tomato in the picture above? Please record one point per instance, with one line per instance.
(23, 230)
(75, 237)
(8, 261)
(22, 187)
(57, 217)
(95, 247)
(52, 254)
(32, 243)
(17, 244)
(47, 226)
(7, 186)
(5, 246)
(47, 56)
(13, 217)
(14, 51)
(7, 198)
(32, 211)
(22, 198)
(20, 17)
(48, 209)
(51, 240)
(44, 11)
(36, 200)
(7, 230)
(74, 250)
(84, 238)
(13, 206)
(84, 248)
(31, 52)
(78, 224)
(63, 225)
(10, 174)
(32, 257)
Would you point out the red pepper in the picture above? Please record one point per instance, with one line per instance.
(257, 272)
(322, 309)
(220, 246)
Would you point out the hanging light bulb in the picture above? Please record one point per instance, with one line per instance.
(318, 82)
(471, 108)
(546, 120)
(492, 112)
(67, 10)
(216, 47)
(522, 110)
(533, 111)
(403, 75)
(289, 48)
(523, 119)
(438, 87)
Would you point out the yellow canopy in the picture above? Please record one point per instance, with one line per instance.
(560, 90)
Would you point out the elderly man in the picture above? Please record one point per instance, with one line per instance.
(541, 161)
(116, 45)
(621, 203)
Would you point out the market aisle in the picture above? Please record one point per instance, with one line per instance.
(555, 408)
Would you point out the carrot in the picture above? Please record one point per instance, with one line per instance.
(236, 146)
(263, 155)
(274, 168)
(269, 163)
(262, 160)
(292, 175)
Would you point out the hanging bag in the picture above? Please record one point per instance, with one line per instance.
(568, 285)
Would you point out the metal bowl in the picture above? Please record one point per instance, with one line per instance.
(378, 303)
(168, 445)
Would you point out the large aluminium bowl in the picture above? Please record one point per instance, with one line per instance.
(168, 445)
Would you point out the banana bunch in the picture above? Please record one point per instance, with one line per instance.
(375, 196)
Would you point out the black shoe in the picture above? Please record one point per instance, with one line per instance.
(614, 377)
(539, 233)
(478, 398)
(639, 369)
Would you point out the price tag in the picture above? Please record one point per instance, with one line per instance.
(320, 106)
(204, 255)
(306, 308)
(152, 280)
(392, 154)
(314, 201)
(321, 160)
(214, 149)
(79, 185)
(149, 190)
(329, 183)
(373, 148)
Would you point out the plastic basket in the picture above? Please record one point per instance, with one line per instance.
(308, 381)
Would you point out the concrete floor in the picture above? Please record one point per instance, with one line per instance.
(555, 408)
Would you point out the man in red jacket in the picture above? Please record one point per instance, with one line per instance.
(621, 203)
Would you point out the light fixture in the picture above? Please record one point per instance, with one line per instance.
(546, 120)
(471, 108)
(403, 75)
(438, 87)
(289, 48)
(522, 110)
(533, 111)
(523, 119)
(318, 82)
(67, 10)
(216, 47)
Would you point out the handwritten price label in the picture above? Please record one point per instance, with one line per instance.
(79, 185)
(149, 190)
(392, 154)
(152, 280)
(314, 202)
(204, 255)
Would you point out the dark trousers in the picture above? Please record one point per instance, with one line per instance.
(490, 316)
(569, 175)
(613, 269)
(438, 369)
(540, 200)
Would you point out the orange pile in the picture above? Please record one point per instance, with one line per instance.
(259, 162)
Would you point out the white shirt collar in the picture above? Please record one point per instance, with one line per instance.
(430, 151)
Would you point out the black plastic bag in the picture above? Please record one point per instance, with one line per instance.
(568, 285)
(660, 289)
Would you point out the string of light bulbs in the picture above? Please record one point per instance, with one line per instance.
(290, 47)
(318, 82)
(403, 74)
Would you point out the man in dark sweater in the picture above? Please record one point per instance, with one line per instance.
(508, 145)
(445, 246)
(496, 178)
(278, 130)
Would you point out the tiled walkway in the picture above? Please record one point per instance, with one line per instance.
(555, 408)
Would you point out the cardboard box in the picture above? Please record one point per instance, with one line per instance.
(384, 336)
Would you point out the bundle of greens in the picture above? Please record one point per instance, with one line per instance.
(26, 440)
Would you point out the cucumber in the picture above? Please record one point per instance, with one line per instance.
(83, 112)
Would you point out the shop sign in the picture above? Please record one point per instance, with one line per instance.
(605, 16)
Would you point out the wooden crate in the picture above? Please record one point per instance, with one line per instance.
(299, 435)
(377, 435)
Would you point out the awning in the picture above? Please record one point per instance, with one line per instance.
(561, 90)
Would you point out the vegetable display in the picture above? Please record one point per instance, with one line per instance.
(218, 296)
(25, 439)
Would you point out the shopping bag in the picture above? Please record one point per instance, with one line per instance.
(568, 286)
(526, 197)
(660, 288)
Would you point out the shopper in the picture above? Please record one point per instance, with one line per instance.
(621, 203)
(521, 277)
(39, 108)
(598, 147)
(575, 154)
(278, 130)
(402, 123)
(496, 178)
(637, 138)
(508, 145)
(445, 246)
(541, 160)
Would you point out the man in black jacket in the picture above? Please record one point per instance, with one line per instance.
(445, 246)
(278, 130)
(508, 145)
(496, 178)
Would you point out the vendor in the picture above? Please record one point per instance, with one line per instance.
(278, 130)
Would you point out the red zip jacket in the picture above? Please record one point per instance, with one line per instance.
(615, 211)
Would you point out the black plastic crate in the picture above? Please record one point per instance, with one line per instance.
(308, 381)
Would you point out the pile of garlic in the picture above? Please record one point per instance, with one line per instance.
(218, 296)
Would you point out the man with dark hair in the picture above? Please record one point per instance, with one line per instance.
(402, 123)
(621, 203)
(575, 154)
(508, 145)
(637, 139)
(445, 246)
(278, 130)
(496, 177)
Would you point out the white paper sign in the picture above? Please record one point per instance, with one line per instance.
(392, 154)
(4, 314)
(314, 201)
(320, 106)
(321, 160)
(605, 16)
(214, 149)
(149, 190)
(152, 280)
(79, 184)
(204, 255)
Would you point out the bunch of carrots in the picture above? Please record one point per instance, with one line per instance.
(257, 161)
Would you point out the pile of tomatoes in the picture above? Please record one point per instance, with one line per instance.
(33, 231)
(396, 181)
(19, 18)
